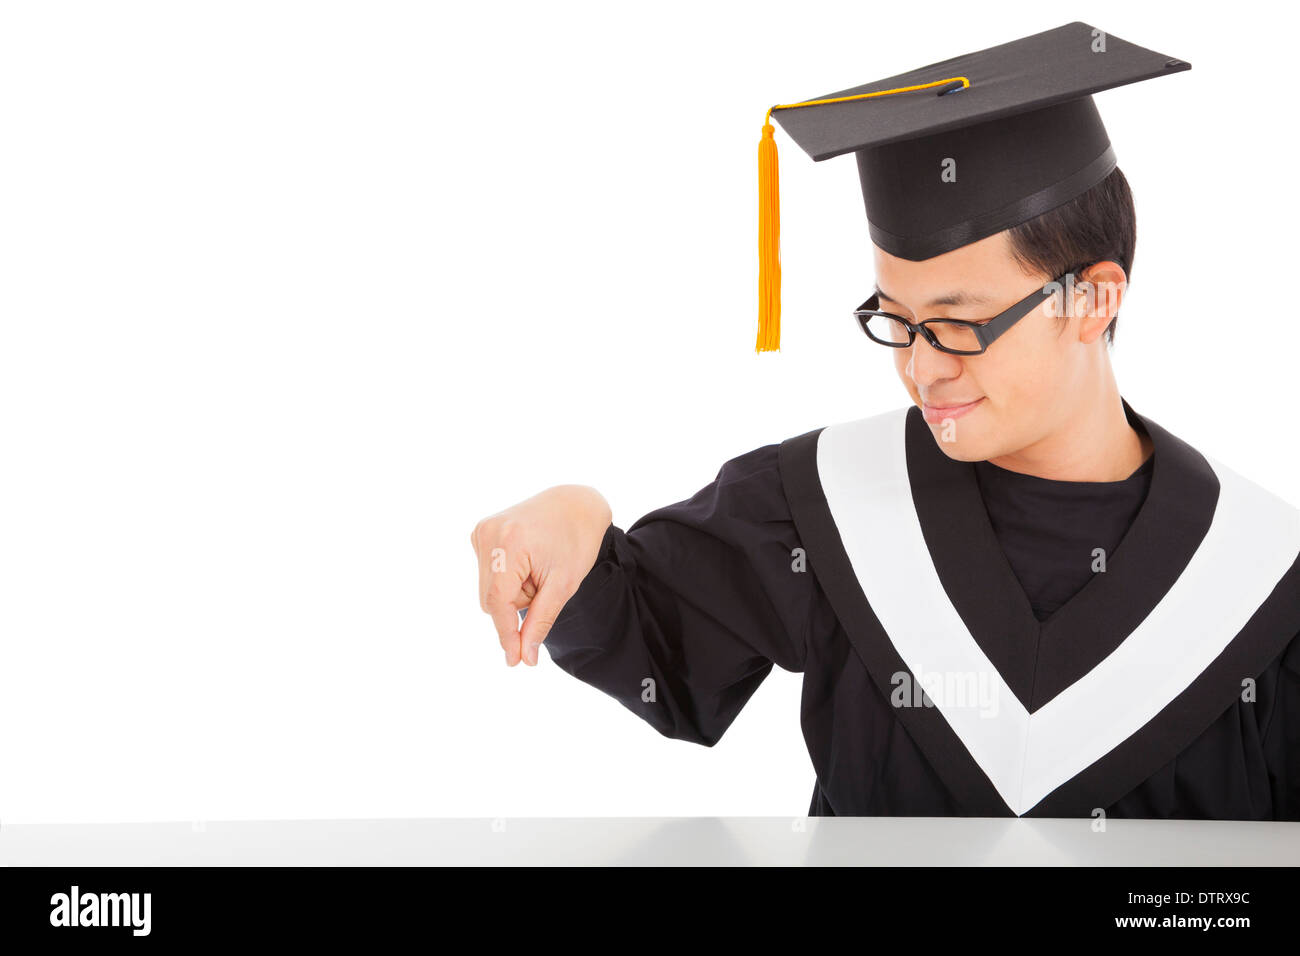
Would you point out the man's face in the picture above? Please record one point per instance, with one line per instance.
(1026, 384)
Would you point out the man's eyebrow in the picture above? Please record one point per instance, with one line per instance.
(951, 298)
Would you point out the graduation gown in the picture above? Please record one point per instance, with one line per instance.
(863, 557)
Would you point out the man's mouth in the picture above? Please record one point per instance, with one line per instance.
(937, 414)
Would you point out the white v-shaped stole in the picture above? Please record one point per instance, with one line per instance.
(862, 466)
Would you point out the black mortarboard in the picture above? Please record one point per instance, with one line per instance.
(961, 149)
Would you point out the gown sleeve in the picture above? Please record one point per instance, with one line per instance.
(683, 615)
(1282, 737)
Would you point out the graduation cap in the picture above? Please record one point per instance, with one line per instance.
(961, 149)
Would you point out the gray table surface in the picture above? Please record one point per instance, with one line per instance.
(764, 841)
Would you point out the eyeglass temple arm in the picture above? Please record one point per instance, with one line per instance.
(995, 326)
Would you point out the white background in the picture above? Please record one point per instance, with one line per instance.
(292, 294)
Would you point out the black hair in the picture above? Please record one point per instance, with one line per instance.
(1099, 225)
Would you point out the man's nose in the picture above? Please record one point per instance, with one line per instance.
(927, 365)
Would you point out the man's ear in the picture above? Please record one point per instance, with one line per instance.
(1099, 292)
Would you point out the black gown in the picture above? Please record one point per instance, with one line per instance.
(1049, 529)
(973, 642)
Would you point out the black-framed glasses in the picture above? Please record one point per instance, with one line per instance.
(955, 336)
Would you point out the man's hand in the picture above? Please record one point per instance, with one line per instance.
(534, 555)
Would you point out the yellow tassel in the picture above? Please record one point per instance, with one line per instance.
(769, 246)
(769, 213)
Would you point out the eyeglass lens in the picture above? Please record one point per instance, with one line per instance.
(950, 336)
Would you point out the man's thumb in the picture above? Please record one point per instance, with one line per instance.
(541, 613)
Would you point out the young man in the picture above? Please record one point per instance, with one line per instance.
(1016, 596)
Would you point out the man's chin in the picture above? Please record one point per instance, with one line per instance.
(958, 446)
